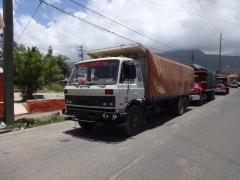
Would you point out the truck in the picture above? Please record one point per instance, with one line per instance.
(204, 84)
(234, 80)
(223, 84)
(121, 85)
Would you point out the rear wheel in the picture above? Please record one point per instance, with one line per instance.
(133, 121)
(179, 107)
(211, 95)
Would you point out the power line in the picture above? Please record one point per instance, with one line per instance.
(96, 23)
(191, 13)
(29, 21)
(223, 5)
(57, 8)
(124, 26)
(124, 21)
(112, 22)
(213, 25)
(202, 19)
(197, 23)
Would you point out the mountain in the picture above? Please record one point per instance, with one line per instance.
(229, 64)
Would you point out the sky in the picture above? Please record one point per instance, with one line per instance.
(159, 25)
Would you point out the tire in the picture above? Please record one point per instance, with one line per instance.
(179, 107)
(86, 125)
(228, 90)
(133, 121)
(213, 95)
(200, 101)
(186, 103)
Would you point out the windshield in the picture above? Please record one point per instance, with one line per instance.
(97, 72)
(233, 79)
(219, 81)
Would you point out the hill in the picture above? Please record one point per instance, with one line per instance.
(229, 64)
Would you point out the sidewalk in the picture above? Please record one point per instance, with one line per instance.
(19, 107)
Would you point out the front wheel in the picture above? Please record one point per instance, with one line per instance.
(200, 101)
(227, 90)
(133, 121)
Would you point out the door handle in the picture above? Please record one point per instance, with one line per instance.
(135, 93)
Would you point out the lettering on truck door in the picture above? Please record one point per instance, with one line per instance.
(128, 90)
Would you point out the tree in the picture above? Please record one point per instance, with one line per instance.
(63, 65)
(27, 70)
(51, 70)
(32, 69)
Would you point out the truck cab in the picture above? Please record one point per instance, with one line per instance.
(101, 89)
(234, 84)
(197, 85)
(204, 86)
(223, 84)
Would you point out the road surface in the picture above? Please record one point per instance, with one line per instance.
(204, 143)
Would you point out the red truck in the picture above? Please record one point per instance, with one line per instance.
(223, 84)
(204, 85)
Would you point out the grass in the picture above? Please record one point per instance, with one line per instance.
(31, 122)
(56, 87)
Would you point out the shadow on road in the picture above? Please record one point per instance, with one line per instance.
(111, 135)
(103, 134)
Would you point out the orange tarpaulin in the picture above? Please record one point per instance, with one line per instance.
(167, 77)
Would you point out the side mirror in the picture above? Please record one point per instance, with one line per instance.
(129, 72)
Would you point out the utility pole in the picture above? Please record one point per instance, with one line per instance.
(81, 54)
(220, 50)
(192, 57)
(8, 61)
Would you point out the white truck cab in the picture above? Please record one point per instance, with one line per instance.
(101, 89)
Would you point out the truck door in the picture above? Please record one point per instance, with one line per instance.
(139, 80)
(128, 89)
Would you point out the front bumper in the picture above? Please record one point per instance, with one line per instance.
(194, 97)
(95, 115)
(220, 90)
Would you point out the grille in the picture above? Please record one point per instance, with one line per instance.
(85, 102)
(91, 100)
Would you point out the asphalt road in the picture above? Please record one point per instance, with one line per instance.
(204, 143)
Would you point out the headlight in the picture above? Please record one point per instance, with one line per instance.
(111, 104)
(104, 104)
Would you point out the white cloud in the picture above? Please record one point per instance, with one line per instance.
(64, 33)
(53, 1)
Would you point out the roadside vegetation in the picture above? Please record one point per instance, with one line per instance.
(37, 71)
(55, 87)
